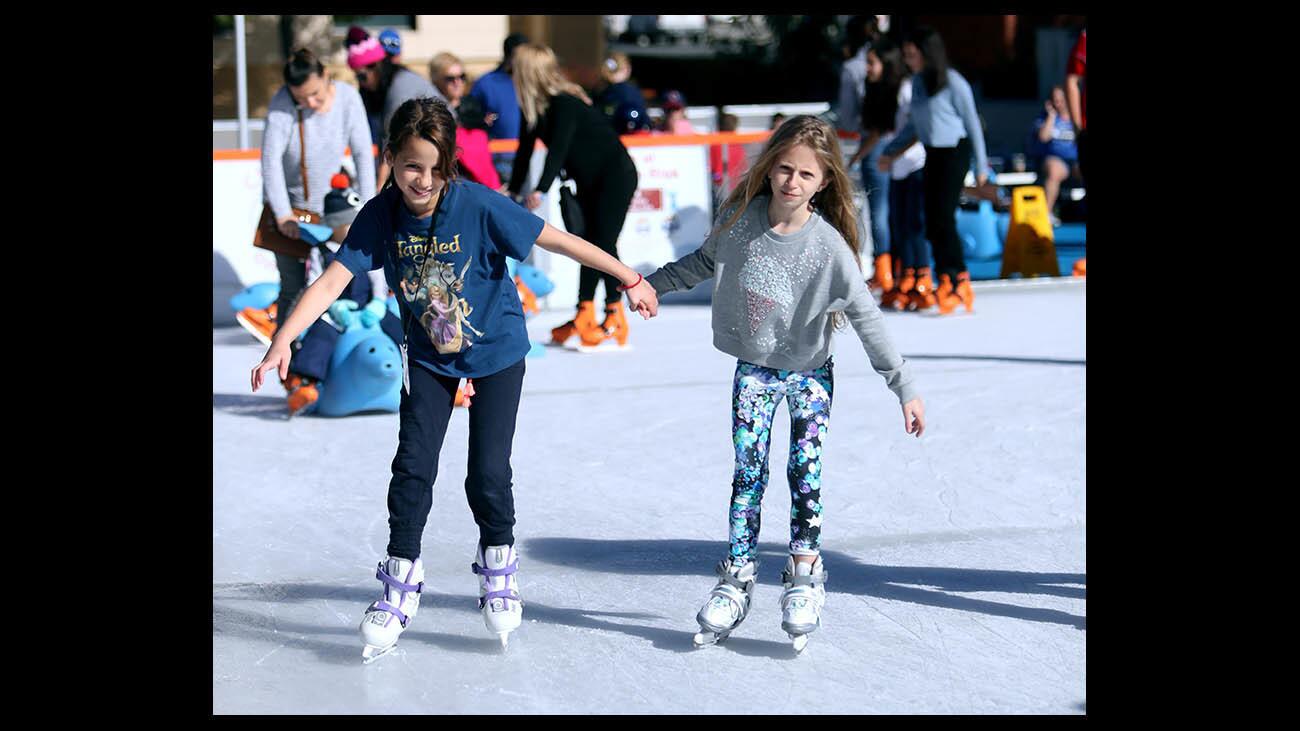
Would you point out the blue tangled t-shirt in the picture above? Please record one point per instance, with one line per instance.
(460, 308)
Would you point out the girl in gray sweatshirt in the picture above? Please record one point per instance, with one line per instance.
(784, 261)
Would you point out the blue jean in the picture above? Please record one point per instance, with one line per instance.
(423, 418)
(907, 220)
(876, 185)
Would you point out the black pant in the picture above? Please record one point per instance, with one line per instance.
(1081, 142)
(293, 280)
(424, 414)
(907, 221)
(945, 170)
(604, 208)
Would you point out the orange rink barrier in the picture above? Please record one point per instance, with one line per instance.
(651, 140)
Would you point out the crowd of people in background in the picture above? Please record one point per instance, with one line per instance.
(914, 115)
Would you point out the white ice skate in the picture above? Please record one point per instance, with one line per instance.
(498, 590)
(385, 619)
(802, 600)
(728, 602)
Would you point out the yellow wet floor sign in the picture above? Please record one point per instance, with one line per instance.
(1030, 248)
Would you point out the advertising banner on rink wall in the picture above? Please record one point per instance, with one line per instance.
(669, 217)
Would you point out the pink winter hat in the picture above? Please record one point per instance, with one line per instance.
(365, 53)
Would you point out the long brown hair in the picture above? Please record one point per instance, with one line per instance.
(537, 77)
(834, 202)
(427, 118)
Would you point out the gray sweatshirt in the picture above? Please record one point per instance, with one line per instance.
(327, 136)
(773, 295)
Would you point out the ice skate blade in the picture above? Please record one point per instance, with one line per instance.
(800, 642)
(372, 653)
(705, 639)
(505, 639)
(799, 629)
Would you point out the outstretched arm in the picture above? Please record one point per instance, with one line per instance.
(641, 296)
(315, 300)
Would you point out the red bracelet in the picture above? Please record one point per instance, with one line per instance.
(623, 288)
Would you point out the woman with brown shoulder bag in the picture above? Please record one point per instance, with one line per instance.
(310, 121)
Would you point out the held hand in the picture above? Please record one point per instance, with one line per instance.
(1051, 110)
(914, 417)
(288, 227)
(534, 200)
(643, 299)
(276, 358)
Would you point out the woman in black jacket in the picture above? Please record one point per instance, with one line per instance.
(580, 141)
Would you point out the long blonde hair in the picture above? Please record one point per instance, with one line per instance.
(537, 78)
(834, 202)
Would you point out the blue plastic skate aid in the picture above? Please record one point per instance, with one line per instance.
(979, 233)
(258, 296)
(392, 306)
(535, 280)
(315, 233)
(365, 374)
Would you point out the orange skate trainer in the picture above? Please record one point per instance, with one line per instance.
(302, 393)
(883, 278)
(922, 297)
(526, 297)
(615, 324)
(584, 320)
(259, 323)
(896, 298)
(950, 296)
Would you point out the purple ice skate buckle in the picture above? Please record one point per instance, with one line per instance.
(383, 606)
(502, 594)
(506, 571)
(388, 579)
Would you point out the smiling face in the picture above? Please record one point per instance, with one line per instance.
(415, 174)
(795, 176)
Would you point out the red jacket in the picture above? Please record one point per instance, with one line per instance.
(475, 158)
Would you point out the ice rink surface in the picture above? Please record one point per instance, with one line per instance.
(956, 562)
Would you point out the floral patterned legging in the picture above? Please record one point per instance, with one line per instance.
(757, 392)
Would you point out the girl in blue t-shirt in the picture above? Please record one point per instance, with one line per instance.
(442, 243)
